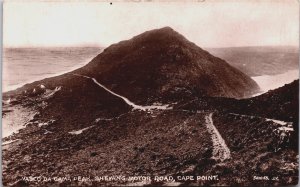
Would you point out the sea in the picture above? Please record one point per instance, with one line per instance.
(271, 82)
(26, 65)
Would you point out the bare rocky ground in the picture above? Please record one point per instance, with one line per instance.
(253, 142)
(155, 143)
(137, 143)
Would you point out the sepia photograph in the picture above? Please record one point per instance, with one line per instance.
(150, 93)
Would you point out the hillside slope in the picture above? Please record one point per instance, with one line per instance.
(160, 64)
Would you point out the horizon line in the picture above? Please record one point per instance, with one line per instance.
(99, 46)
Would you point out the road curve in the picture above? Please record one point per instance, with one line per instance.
(133, 105)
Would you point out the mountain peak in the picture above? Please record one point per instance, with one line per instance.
(163, 63)
(161, 30)
(164, 35)
(165, 28)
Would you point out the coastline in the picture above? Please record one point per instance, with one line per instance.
(265, 82)
(271, 82)
(85, 58)
(14, 87)
(16, 119)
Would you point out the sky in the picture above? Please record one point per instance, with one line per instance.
(212, 23)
